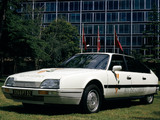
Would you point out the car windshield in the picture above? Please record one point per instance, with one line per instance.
(90, 61)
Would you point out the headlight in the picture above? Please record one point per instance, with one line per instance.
(50, 84)
(10, 81)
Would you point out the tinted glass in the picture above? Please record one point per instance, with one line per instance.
(117, 60)
(135, 66)
(91, 61)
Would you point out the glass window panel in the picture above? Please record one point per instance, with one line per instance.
(90, 5)
(148, 4)
(87, 17)
(101, 5)
(141, 4)
(128, 16)
(96, 6)
(77, 6)
(114, 16)
(65, 7)
(50, 7)
(63, 16)
(115, 4)
(71, 6)
(136, 4)
(153, 2)
(109, 15)
(87, 5)
(128, 41)
(49, 17)
(110, 5)
(109, 40)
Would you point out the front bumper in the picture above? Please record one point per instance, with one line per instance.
(43, 96)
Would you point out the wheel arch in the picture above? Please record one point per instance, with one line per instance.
(98, 84)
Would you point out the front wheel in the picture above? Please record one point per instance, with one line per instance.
(148, 99)
(91, 100)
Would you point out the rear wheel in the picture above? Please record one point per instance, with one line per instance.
(91, 100)
(148, 99)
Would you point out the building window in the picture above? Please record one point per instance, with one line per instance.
(124, 4)
(39, 6)
(110, 29)
(74, 17)
(49, 17)
(63, 16)
(74, 6)
(112, 4)
(87, 6)
(88, 29)
(138, 16)
(124, 16)
(138, 4)
(123, 28)
(137, 41)
(99, 5)
(87, 17)
(112, 17)
(99, 17)
(126, 41)
(138, 28)
(150, 3)
(50, 6)
(109, 40)
(101, 29)
(63, 6)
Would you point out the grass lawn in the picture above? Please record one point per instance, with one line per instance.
(119, 110)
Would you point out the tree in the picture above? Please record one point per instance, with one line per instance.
(151, 32)
(21, 36)
(62, 39)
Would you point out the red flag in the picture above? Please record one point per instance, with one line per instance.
(83, 40)
(117, 43)
(98, 42)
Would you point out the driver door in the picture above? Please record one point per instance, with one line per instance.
(118, 82)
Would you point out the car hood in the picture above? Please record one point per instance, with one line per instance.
(51, 73)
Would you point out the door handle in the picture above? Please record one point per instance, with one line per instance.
(129, 78)
(144, 78)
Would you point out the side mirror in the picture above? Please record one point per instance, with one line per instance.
(117, 68)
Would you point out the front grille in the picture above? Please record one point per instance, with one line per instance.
(26, 84)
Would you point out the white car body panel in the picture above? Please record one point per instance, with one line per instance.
(73, 81)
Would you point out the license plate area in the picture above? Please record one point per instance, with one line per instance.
(27, 93)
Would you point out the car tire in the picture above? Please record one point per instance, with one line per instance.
(147, 99)
(91, 100)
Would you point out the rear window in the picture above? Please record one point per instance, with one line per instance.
(136, 66)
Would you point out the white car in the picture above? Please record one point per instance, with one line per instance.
(86, 79)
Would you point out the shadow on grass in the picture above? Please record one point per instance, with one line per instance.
(115, 104)
(43, 110)
(66, 109)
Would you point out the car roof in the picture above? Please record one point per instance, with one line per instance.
(106, 53)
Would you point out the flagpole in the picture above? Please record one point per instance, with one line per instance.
(98, 39)
(82, 38)
(114, 40)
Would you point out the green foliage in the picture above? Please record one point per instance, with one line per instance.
(24, 37)
(151, 34)
(62, 39)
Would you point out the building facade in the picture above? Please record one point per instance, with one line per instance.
(129, 17)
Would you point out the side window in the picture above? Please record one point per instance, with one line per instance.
(117, 60)
(135, 66)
